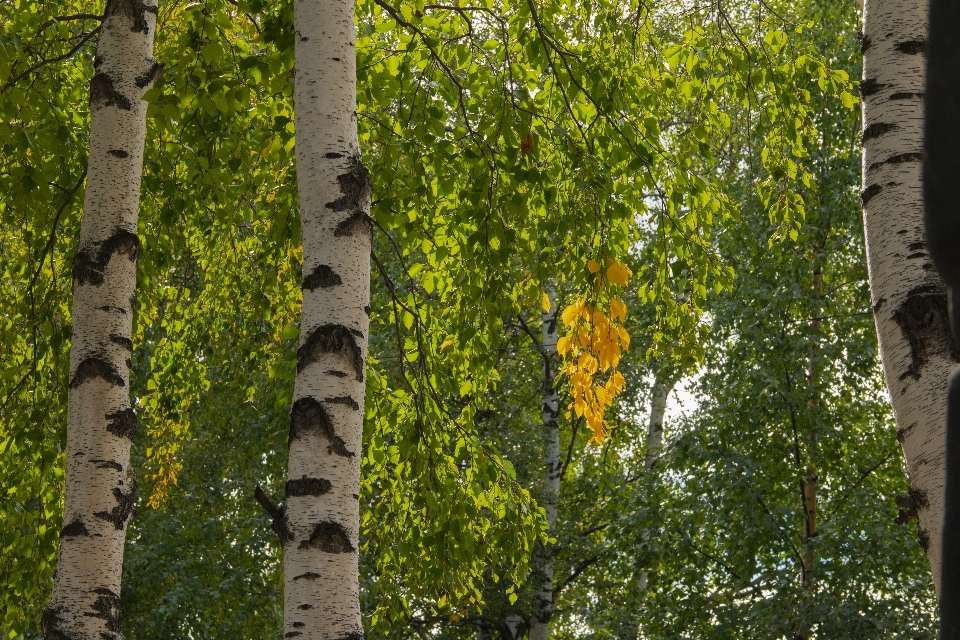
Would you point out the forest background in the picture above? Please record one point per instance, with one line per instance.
(517, 152)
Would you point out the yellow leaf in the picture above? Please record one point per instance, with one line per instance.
(599, 319)
(545, 302)
(593, 265)
(446, 343)
(618, 310)
(563, 346)
(570, 314)
(618, 273)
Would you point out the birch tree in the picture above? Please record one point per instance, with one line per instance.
(909, 301)
(100, 488)
(319, 524)
(544, 600)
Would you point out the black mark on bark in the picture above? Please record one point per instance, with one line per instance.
(910, 503)
(123, 423)
(151, 75)
(103, 94)
(280, 525)
(108, 464)
(96, 368)
(50, 625)
(879, 304)
(304, 606)
(322, 276)
(864, 42)
(88, 266)
(913, 47)
(125, 503)
(331, 338)
(356, 191)
(367, 310)
(906, 95)
(332, 156)
(308, 487)
(309, 416)
(916, 246)
(904, 431)
(309, 575)
(899, 159)
(876, 130)
(298, 625)
(925, 322)
(329, 537)
(107, 607)
(919, 254)
(75, 528)
(135, 10)
(335, 373)
(344, 400)
(870, 87)
(117, 309)
(355, 224)
(867, 194)
(126, 343)
(353, 635)
(292, 634)
(924, 538)
(118, 153)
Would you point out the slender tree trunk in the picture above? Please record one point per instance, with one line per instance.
(658, 407)
(550, 411)
(909, 301)
(513, 627)
(319, 526)
(100, 487)
(809, 481)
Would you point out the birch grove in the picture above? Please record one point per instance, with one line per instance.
(909, 301)
(100, 487)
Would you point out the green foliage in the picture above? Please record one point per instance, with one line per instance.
(509, 144)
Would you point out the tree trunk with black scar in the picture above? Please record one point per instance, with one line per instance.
(320, 521)
(550, 410)
(100, 488)
(909, 301)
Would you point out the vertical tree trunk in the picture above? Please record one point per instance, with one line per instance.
(550, 411)
(810, 479)
(100, 487)
(319, 527)
(909, 301)
(658, 407)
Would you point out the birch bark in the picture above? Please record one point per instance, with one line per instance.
(909, 301)
(550, 411)
(100, 487)
(319, 525)
(658, 407)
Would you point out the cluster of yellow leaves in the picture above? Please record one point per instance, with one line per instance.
(592, 347)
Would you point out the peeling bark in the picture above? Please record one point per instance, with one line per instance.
(100, 496)
(322, 511)
(915, 344)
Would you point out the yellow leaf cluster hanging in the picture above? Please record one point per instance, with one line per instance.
(592, 347)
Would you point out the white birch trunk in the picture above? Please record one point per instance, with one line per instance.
(319, 528)
(100, 488)
(550, 410)
(909, 301)
(658, 407)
